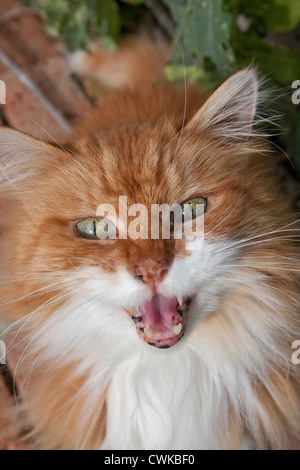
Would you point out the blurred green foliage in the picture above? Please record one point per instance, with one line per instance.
(213, 38)
(279, 62)
(79, 21)
(207, 35)
(202, 37)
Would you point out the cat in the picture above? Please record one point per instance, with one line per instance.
(142, 343)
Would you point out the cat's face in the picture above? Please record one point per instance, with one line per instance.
(153, 281)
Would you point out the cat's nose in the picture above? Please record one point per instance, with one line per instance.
(151, 273)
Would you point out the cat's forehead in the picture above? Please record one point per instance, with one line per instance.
(138, 162)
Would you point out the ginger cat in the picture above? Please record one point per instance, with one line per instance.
(143, 343)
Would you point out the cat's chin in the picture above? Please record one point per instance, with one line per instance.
(161, 321)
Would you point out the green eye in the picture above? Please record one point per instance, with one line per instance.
(193, 208)
(96, 229)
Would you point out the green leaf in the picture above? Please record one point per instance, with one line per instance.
(192, 74)
(107, 17)
(203, 33)
(78, 22)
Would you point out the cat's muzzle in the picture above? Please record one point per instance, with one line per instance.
(161, 322)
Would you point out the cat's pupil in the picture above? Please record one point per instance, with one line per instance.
(189, 208)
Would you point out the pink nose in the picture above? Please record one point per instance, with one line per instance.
(151, 273)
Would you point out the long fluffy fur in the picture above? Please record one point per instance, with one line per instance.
(230, 382)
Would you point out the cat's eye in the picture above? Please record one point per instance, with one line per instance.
(193, 208)
(96, 229)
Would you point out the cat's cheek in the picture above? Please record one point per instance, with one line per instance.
(189, 275)
(118, 289)
(87, 331)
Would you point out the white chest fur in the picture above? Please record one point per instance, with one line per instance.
(163, 401)
(179, 398)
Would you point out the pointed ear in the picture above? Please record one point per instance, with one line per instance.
(230, 111)
(20, 156)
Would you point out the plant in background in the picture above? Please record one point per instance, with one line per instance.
(202, 38)
(211, 40)
(77, 22)
(217, 37)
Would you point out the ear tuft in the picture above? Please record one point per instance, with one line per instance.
(230, 111)
(20, 156)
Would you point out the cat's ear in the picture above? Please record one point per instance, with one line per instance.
(230, 110)
(21, 156)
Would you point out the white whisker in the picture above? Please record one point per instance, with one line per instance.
(57, 298)
(225, 218)
(59, 145)
(185, 101)
(42, 289)
(244, 243)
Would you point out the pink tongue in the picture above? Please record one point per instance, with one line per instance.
(160, 312)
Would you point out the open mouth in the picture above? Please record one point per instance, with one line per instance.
(161, 321)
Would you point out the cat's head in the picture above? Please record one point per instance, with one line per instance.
(52, 232)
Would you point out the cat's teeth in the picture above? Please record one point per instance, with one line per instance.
(180, 300)
(148, 332)
(177, 328)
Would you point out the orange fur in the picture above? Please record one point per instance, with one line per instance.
(138, 145)
(133, 62)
